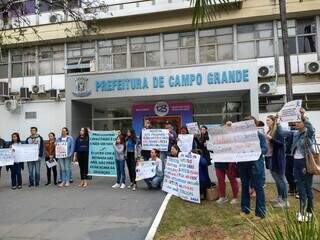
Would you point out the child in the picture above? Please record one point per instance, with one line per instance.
(119, 148)
(156, 181)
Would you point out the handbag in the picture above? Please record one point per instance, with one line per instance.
(312, 159)
(212, 193)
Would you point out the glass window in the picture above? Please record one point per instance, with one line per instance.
(3, 63)
(23, 62)
(51, 59)
(81, 52)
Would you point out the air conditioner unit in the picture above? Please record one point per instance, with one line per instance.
(11, 105)
(4, 89)
(312, 67)
(56, 18)
(266, 71)
(24, 93)
(38, 89)
(54, 94)
(267, 88)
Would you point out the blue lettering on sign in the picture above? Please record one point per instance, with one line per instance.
(225, 77)
(122, 84)
(185, 80)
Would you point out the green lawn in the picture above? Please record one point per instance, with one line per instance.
(209, 220)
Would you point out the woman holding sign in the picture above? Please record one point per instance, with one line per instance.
(81, 154)
(50, 158)
(16, 179)
(156, 181)
(64, 151)
(131, 156)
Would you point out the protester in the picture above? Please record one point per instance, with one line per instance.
(34, 167)
(145, 153)
(184, 130)
(81, 155)
(16, 178)
(204, 179)
(201, 141)
(131, 156)
(2, 145)
(172, 141)
(302, 143)
(254, 171)
(174, 151)
(156, 181)
(277, 161)
(50, 156)
(119, 147)
(65, 163)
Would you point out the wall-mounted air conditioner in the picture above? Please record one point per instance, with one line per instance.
(56, 18)
(4, 89)
(39, 89)
(312, 67)
(268, 88)
(266, 71)
(11, 105)
(24, 93)
(54, 94)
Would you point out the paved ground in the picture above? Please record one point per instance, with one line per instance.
(96, 213)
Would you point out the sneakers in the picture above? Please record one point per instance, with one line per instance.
(117, 185)
(222, 200)
(19, 187)
(276, 200)
(234, 201)
(282, 204)
(304, 218)
(122, 186)
(134, 187)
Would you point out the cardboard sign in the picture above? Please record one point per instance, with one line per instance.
(102, 160)
(181, 177)
(193, 128)
(145, 170)
(26, 152)
(291, 112)
(6, 157)
(185, 142)
(61, 149)
(238, 143)
(155, 139)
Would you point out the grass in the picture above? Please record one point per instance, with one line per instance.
(208, 220)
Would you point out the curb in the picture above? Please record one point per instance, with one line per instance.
(157, 220)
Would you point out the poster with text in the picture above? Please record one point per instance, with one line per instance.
(237, 143)
(181, 177)
(193, 128)
(185, 142)
(61, 149)
(145, 170)
(101, 153)
(26, 152)
(6, 157)
(291, 112)
(155, 139)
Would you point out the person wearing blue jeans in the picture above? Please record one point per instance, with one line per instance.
(253, 172)
(119, 149)
(65, 163)
(156, 181)
(34, 167)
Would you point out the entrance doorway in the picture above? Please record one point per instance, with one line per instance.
(160, 122)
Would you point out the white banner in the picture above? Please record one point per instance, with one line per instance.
(155, 139)
(238, 143)
(6, 157)
(26, 152)
(145, 170)
(291, 112)
(193, 128)
(61, 149)
(181, 177)
(185, 142)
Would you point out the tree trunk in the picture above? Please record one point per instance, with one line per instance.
(286, 54)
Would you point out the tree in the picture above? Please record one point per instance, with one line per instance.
(206, 10)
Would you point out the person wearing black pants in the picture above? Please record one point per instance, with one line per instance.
(81, 154)
(289, 166)
(131, 156)
(50, 155)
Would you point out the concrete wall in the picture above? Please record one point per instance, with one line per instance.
(51, 116)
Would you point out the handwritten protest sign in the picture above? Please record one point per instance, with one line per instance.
(61, 149)
(291, 112)
(26, 152)
(185, 142)
(6, 157)
(101, 153)
(193, 128)
(51, 163)
(238, 143)
(181, 177)
(145, 170)
(155, 138)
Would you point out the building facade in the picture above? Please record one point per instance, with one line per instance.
(148, 61)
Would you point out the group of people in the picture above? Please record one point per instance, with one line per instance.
(283, 152)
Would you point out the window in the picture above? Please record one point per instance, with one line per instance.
(216, 44)
(179, 48)
(52, 5)
(310, 101)
(145, 51)
(81, 52)
(302, 36)
(23, 62)
(255, 40)
(23, 7)
(112, 54)
(271, 103)
(3, 63)
(51, 59)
